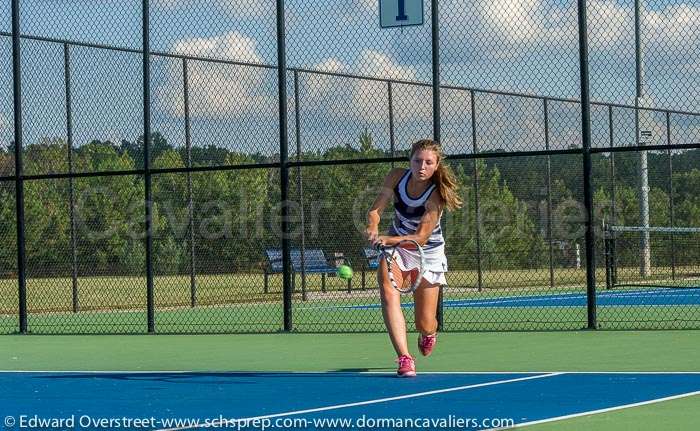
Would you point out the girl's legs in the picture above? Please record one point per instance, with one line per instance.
(391, 308)
(426, 301)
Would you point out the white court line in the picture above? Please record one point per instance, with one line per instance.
(534, 298)
(331, 373)
(563, 297)
(544, 372)
(327, 373)
(594, 412)
(377, 401)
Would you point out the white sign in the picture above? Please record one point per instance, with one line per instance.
(645, 137)
(400, 13)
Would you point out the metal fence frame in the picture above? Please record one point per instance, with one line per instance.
(285, 164)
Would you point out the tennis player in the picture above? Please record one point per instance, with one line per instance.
(419, 194)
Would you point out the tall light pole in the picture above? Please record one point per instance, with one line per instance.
(641, 136)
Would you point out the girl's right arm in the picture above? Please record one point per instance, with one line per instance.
(385, 196)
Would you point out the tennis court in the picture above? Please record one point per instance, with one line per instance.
(574, 380)
(206, 171)
(322, 400)
(627, 298)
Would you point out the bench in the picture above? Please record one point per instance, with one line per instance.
(371, 262)
(315, 262)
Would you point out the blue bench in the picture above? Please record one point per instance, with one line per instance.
(315, 262)
(371, 262)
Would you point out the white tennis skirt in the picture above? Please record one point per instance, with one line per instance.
(435, 262)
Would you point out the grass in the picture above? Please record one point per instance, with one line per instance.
(236, 303)
(124, 292)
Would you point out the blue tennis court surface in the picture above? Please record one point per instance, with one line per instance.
(612, 298)
(176, 400)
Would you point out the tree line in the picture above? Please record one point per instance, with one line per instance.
(236, 212)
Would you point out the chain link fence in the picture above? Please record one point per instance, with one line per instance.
(86, 256)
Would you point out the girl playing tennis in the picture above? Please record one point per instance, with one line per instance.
(419, 194)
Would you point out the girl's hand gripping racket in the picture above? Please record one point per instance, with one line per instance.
(390, 252)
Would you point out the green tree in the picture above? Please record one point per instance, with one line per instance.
(170, 215)
(245, 195)
(8, 229)
(687, 198)
(110, 212)
(508, 236)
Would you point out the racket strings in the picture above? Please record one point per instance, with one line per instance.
(401, 279)
(405, 281)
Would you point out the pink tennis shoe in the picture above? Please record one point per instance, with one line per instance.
(426, 344)
(407, 366)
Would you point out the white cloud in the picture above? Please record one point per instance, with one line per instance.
(332, 65)
(359, 98)
(669, 35)
(502, 25)
(544, 22)
(372, 5)
(374, 63)
(218, 89)
(367, 100)
(231, 46)
(249, 7)
(243, 8)
(514, 19)
(676, 27)
(491, 44)
(170, 4)
(609, 24)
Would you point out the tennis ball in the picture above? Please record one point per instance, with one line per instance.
(345, 272)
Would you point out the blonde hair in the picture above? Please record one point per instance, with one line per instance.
(444, 179)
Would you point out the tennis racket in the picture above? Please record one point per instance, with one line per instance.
(390, 252)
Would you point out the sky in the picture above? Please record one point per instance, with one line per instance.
(523, 46)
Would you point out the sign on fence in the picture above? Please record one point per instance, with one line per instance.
(400, 13)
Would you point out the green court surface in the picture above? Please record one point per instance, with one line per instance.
(679, 414)
(336, 312)
(581, 351)
(236, 303)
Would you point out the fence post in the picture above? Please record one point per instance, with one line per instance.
(190, 204)
(477, 209)
(71, 197)
(436, 114)
(284, 165)
(19, 182)
(147, 167)
(300, 185)
(672, 211)
(613, 190)
(392, 139)
(549, 194)
(587, 165)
